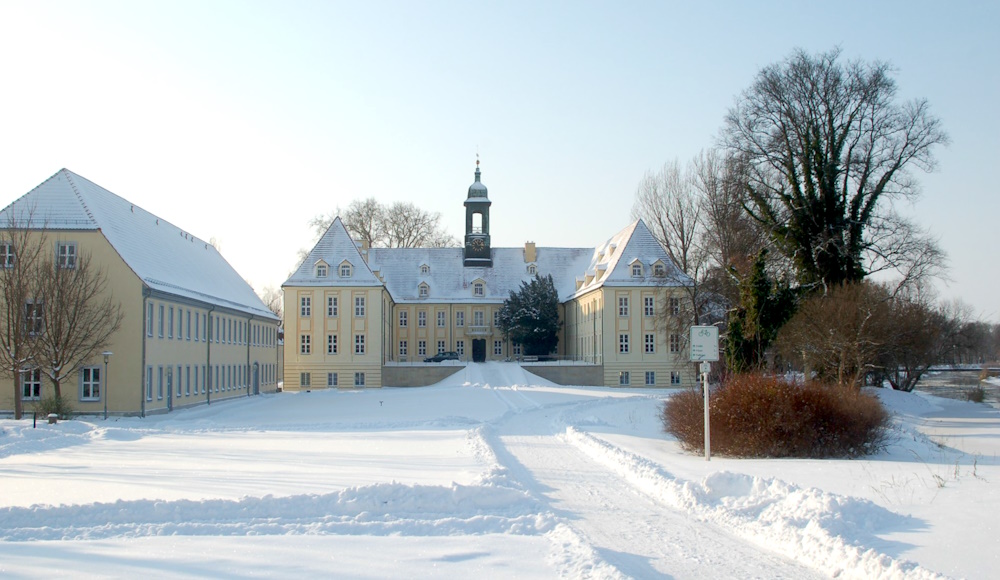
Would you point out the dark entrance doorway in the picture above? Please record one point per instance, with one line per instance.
(479, 350)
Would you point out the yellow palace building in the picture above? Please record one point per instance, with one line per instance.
(193, 331)
(357, 316)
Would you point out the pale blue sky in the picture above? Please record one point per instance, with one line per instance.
(241, 120)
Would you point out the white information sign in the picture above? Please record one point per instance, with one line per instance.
(704, 343)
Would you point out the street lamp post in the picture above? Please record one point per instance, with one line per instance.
(107, 354)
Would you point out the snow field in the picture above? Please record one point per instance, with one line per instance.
(493, 472)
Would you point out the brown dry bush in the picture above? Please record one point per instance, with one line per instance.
(757, 416)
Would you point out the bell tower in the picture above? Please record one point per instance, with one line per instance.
(477, 225)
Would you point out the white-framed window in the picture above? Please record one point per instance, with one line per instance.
(478, 318)
(180, 379)
(478, 289)
(216, 381)
(321, 270)
(66, 255)
(659, 271)
(187, 333)
(187, 381)
(204, 327)
(532, 269)
(197, 326)
(180, 324)
(196, 383)
(359, 306)
(675, 306)
(422, 348)
(440, 346)
(331, 344)
(305, 306)
(623, 306)
(442, 320)
(675, 343)
(305, 379)
(623, 378)
(149, 383)
(170, 323)
(161, 321)
(623, 343)
(305, 344)
(359, 379)
(648, 306)
(637, 270)
(517, 349)
(31, 385)
(402, 348)
(149, 319)
(675, 378)
(6, 255)
(424, 290)
(496, 318)
(460, 347)
(650, 343)
(345, 270)
(497, 347)
(422, 318)
(650, 378)
(460, 318)
(403, 318)
(332, 307)
(359, 344)
(425, 269)
(159, 383)
(34, 317)
(331, 379)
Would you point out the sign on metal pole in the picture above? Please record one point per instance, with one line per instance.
(704, 343)
(705, 348)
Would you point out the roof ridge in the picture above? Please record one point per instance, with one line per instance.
(76, 191)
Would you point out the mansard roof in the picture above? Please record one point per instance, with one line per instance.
(166, 258)
(450, 282)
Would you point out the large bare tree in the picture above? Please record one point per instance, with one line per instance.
(397, 225)
(79, 316)
(21, 249)
(828, 147)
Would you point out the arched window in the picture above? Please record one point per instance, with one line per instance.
(425, 269)
(532, 270)
(425, 290)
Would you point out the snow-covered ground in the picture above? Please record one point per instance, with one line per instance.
(494, 472)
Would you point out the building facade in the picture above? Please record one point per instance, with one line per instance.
(193, 331)
(354, 313)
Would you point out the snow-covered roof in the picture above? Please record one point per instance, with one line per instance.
(165, 257)
(449, 280)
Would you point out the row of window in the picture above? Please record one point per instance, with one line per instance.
(332, 344)
(332, 306)
(65, 254)
(478, 318)
(193, 380)
(89, 384)
(659, 270)
(649, 343)
(404, 347)
(648, 306)
(332, 379)
(625, 378)
(192, 325)
(346, 270)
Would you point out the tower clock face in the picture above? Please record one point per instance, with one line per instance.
(478, 244)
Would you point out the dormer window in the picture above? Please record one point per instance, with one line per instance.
(637, 270)
(532, 270)
(425, 269)
(659, 270)
(346, 270)
(321, 270)
(424, 290)
(479, 288)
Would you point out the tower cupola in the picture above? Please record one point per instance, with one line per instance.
(477, 225)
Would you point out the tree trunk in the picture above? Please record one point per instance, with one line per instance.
(18, 404)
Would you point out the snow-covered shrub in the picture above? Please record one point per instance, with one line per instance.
(52, 404)
(758, 416)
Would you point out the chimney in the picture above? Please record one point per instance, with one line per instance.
(529, 252)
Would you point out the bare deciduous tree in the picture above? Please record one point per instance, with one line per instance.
(22, 248)
(274, 300)
(827, 149)
(79, 316)
(399, 225)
